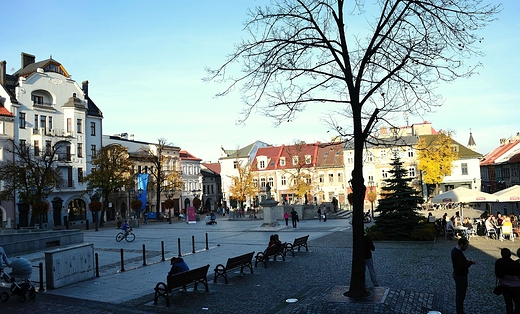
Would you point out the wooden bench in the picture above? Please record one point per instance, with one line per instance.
(241, 261)
(274, 251)
(193, 276)
(298, 242)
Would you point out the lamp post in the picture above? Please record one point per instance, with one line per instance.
(169, 194)
(371, 198)
(94, 197)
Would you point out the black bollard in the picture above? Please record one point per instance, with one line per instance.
(207, 247)
(40, 266)
(122, 261)
(162, 250)
(97, 264)
(144, 255)
(193, 244)
(179, 246)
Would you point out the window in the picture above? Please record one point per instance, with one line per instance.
(36, 148)
(93, 128)
(80, 174)
(369, 157)
(43, 122)
(331, 177)
(271, 181)
(69, 125)
(340, 177)
(410, 153)
(35, 125)
(50, 122)
(235, 164)
(37, 100)
(80, 150)
(69, 155)
(69, 178)
(464, 168)
(262, 183)
(307, 159)
(411, 172)
(262, 164)
(255, 182)
(295, 160)
(23, 143)
(321, 178)
(282, 161)
(284, 180)
(93, 151)
(382, 154)
(350, 158)
(79, 126)
(21, 120)
(48, 147)
(384, 173)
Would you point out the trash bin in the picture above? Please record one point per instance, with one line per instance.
(134, 223)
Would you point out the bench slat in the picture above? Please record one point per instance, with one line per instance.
(241, 261)
(192, 276)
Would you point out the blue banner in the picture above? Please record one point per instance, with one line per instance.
(142, 183)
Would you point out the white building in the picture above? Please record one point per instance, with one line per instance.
(50, 109)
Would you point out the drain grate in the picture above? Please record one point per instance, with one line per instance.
(378, 295)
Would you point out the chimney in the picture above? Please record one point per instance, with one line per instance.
(502, 141)
(84, 85)
(2, 72)
(27, 59)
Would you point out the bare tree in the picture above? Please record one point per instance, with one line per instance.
(301, 53)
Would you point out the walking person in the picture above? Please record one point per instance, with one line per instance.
(507, 272)
(460, 272)
(294, 217)
(369, 262)
(3, 258)
(286, 217)
(324, 212)
(319, 214)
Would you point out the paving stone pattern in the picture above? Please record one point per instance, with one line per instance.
(416, 277)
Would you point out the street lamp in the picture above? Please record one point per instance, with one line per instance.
(169, 194)
(371, 198)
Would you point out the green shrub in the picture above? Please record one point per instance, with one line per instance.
(423, 232)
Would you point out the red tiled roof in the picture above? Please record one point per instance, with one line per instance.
(214, 166)
(498, 152)
(515, 158)
(5, 112)
(184, 155)
(275, 153)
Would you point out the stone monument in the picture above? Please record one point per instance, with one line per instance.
(269, 209)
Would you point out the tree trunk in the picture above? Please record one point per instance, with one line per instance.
(357, 276)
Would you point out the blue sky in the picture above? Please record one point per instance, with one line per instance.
(145, 61)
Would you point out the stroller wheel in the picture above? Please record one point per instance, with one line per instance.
(4, 296)
(32, 294)
(21, 297)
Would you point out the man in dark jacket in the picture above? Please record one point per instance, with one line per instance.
(460, 272)
(178, 266)
(294, 217)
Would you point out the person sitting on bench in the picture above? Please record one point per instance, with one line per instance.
(178, 266)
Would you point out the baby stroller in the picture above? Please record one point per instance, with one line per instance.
(21, 268)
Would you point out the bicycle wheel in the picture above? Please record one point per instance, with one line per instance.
(119, 237)
(130, 237)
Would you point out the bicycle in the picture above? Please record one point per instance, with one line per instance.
(129, 236)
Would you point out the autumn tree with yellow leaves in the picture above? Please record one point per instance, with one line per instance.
(436, 154)
(243, 186)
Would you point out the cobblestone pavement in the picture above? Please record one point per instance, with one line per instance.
(414, 278)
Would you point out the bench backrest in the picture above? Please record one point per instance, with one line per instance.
(274, 250)
(187, 277)
(239, 260)
(301, 240)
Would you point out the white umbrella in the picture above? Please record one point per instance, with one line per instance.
(511, 194)
(464, 195)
